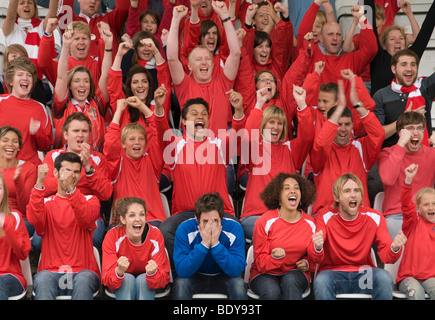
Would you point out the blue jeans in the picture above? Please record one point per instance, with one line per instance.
(415, 289)
(185, 288)
(394, 224)
(248, 224)
(9, 286)
(80, 286)
(375, 281)
(134, 288)
(289, 286)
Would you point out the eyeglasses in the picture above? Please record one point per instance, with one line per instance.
(266, 80)
(412, 128)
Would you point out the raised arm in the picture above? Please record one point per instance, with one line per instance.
(8, 23)
(107, 37)
(172, 48)
(233, 60)
(61, 87)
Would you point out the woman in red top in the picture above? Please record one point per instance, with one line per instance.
(135, 263)
(19, 175)
(286, 245)
(15, 246)
(75, 91)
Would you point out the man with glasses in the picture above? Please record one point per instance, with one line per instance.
(392, 161)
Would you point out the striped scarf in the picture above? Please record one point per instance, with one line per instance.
(414, 96)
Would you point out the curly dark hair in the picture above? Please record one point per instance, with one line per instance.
(272, 192)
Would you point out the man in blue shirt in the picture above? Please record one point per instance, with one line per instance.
(209, 253)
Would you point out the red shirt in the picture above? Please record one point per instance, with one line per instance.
(135, 177)
(16, 112)
(271, 231)
(116, 244)
(329, 161)
(348, 244)
(287, 156)
(96, 184)
(197, 167)
(15, 246)
(66, 225)
(19, 189)
(419, 254)
(214, 92)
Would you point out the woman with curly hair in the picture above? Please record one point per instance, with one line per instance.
(286, 245)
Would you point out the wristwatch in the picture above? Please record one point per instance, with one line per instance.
(359, 104)
(91, 170)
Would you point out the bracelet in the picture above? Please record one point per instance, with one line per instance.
(226, 19)
(108, 50)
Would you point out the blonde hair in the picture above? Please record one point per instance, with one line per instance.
(387, 30)
(80, 26)
(321, 17)
(132, 127)
(275, 112)
(422, 192)
(337, 187)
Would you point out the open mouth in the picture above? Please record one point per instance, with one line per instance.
(137, 228)
(9, 151)
(292, 200)
(24, 85)
(415, 141)
(199, 125)
(352, 204)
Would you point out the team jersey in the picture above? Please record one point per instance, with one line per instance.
(271, 231)
(97, 183)
(15, 246)
(66, 225)
(348, 243)
(116, 244)
(17, 113)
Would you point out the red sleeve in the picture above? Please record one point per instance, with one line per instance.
(110, 261)
(154, 148)
(282, 47)
(305, 26)
(16, 235)
(133, 23)
(191, 34)
(86, 208)
(367, 52)
(301, 145)
(161, 277)
(46, 64)
(101, 186)
(24, 184)
(408, 209)
(322, 146)
(389, 164)
(164, 77)
(114, 87)
(245, 82)
(36, 212)
(372, 143)
(112, 149)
